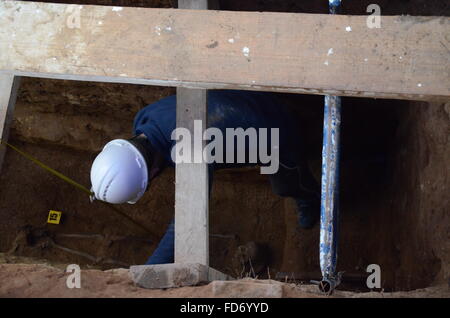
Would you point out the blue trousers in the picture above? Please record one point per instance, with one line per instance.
(164, 253)
(296, 182)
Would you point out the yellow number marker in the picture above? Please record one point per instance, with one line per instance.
(54, 217)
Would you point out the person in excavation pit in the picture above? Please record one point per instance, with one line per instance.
(124, 169)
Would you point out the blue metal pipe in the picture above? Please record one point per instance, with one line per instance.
(334, 6)
(329, 212)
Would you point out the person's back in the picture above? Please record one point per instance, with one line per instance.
(226, 109)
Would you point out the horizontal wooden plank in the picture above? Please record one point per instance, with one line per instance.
(408, 57)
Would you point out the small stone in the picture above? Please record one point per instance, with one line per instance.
(247, 289)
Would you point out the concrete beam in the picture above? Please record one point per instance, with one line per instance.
(191, 179)
(9, 86)
(191, 185)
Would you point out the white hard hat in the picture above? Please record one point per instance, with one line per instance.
(119, 173)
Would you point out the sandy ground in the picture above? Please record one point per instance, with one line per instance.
(43, 280)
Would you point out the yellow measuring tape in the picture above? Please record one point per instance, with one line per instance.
(52, 171)
(70, 181)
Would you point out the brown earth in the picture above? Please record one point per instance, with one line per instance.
(42, 281)
(394, 185)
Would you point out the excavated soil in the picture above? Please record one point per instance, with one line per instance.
(394, 186)
(41, 281)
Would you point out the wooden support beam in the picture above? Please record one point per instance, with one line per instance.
(191, 187)
(407, 58)
(9, 86)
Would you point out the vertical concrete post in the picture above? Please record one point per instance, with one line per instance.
(9, 86)
(191, 188)
(191, 183)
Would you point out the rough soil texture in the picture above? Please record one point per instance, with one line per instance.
(41, 281)
(394, 185)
